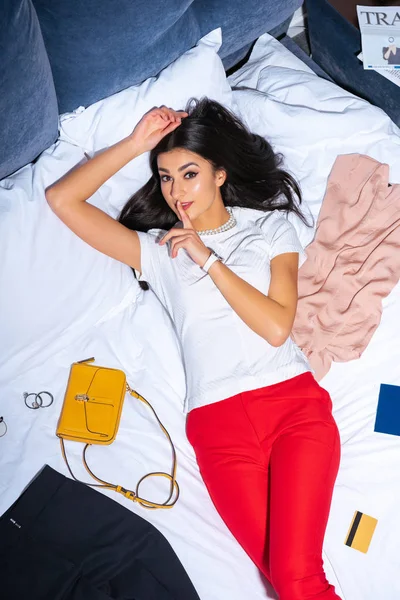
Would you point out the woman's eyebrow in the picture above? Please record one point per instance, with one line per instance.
(180, 168)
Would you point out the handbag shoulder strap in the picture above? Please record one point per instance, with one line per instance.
(130, 494)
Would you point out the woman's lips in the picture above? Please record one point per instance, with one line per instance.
(186, 205)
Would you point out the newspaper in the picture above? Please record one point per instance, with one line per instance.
(380, 36)
(392, 74)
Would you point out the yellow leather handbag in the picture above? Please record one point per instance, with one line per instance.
(91, 414)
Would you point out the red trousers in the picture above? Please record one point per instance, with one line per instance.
(269, 458)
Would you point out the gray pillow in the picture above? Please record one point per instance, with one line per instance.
(28, 104)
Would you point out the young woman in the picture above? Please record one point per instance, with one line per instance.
(262, 428)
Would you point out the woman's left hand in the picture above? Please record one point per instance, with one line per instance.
(188, 239)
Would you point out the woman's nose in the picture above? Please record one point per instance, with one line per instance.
(177, 190)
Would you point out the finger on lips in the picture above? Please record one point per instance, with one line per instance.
(187, 224)
(183, 214)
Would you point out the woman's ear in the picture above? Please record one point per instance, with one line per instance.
(220, 177)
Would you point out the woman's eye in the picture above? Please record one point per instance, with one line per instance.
(188, 175)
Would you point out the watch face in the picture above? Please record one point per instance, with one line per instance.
(215, 254)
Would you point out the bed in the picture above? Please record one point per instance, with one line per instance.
(61, 302)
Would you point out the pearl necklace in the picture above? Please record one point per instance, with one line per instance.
(231, 222)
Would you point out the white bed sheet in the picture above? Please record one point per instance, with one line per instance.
(310, 121)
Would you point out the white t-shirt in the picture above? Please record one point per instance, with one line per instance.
(222, 355)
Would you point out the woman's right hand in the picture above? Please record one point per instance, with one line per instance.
(155, 125)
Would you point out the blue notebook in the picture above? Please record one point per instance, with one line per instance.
(388, 412)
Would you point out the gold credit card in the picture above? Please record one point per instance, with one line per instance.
(361, 531)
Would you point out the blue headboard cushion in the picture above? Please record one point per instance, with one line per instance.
(98, 47)
(28, 104)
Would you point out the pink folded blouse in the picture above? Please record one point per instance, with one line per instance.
(352, 263)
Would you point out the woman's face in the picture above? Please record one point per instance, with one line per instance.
(190, 179)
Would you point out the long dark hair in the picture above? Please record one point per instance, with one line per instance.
(254, 177)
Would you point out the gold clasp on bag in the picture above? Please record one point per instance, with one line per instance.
(82, 398)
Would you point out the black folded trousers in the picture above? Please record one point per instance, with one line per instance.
(62, 540)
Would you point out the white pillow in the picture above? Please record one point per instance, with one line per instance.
(199, 72)
(54, 286)
(309, 119)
